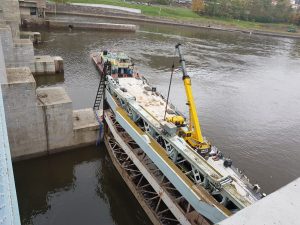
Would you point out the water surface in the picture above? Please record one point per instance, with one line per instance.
(248, 99)
(76, 187)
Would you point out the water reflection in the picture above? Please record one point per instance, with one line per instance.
(78, 187)
(122, 203)
(49, 80)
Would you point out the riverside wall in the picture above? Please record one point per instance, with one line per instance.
(88, 25)
(56, 8)
(10, 15)
(67, 9)
(42, 121)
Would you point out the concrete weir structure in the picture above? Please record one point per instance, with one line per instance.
(19, 52)
(46, 64)
(89, 25)
(39, 120)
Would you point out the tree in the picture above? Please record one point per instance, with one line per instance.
(282, 10)
(197, 5)
(260, 10)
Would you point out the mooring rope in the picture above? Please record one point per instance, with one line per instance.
(172, 71)
(100, 134)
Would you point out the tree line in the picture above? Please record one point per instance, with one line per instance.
(264, 11)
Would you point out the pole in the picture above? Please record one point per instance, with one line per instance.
(169, 91)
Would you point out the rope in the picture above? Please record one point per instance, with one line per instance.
(172, 71)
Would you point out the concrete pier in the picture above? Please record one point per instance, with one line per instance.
(84, 127)
(47, 64)
(9, 212)
(35, 37)
(39, 121)
(17, 52)
(42, 121)
(25, 120)
(89, 25)
(10, 14)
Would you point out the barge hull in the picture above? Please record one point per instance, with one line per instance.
(155, 193)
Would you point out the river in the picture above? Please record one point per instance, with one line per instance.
(246, 89)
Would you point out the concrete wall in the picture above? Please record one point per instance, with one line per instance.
(39, 121)
(58, 110)
(85, 127)
(9, 212)
(3, 76)
(25, 11)
(44, 64)
(25, 120)
(17, 52)
(23, 54)
(11, 15)
(89, 25)
(52, 7)
(7, 42)
(42, 121)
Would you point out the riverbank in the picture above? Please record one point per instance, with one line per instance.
(184, 17)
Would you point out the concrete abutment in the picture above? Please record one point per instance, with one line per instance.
(40, 121)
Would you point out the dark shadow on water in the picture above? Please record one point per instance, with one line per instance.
(75, 187)
(49, 79)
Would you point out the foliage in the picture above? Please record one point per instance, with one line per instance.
(252, 10)
(282, 10)
(238, 17)
(295, 19)
(197, 5)
(149, 10)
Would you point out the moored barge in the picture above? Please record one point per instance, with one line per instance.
(177, 176)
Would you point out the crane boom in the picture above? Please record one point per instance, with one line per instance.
(196, 139)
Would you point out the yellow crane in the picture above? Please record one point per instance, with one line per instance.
(192, 135)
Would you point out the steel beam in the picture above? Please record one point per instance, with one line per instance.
(157, 154)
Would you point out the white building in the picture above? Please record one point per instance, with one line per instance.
(295, 4)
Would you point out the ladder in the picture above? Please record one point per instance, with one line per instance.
(100, 92)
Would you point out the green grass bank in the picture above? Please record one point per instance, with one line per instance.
(186, 15)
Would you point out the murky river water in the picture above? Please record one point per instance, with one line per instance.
(248, 97)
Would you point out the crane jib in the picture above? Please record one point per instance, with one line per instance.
(194, 135)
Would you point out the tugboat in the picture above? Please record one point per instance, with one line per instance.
(117, 64)
(177, 176)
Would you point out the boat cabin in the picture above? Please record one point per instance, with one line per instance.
(117, 64)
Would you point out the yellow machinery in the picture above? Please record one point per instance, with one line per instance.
(193, 134)
(177, 120)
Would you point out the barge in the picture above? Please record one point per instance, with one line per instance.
(177, 176)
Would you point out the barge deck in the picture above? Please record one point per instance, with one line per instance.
(162, 170)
